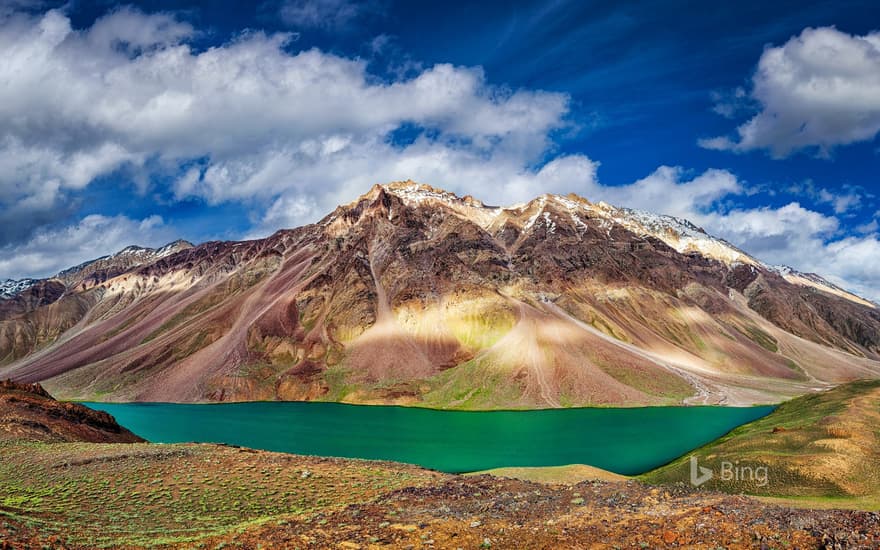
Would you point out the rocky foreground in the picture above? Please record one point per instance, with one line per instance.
(59, 494)
(488, 512)
(480, 512)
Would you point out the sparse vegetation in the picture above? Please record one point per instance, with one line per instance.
(146, 494)
(820, 447)
(760, 337)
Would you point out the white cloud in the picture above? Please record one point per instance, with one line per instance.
(132, 31)
(819, 90)
(78, 104)
(665, 192)
(49, 251)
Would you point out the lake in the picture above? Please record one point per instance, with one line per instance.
(627, 440)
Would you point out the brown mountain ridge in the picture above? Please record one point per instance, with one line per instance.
(412, 295)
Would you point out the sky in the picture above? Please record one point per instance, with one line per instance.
(143, 123)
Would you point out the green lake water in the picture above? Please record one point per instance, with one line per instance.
(627, 440)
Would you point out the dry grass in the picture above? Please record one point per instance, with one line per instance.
(555, 475)
(819, 448)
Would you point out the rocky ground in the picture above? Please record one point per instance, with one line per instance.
(28, 412)
(489, 512)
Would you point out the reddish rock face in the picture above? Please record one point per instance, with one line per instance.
(413, 295)
(28, 412)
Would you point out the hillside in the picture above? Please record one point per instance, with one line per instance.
(412, 295)
(28, 413)
(822, 449)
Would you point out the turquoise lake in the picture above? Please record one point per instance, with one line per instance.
(626, 441)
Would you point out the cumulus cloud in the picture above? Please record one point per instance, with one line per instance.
(819, 90)
(49, 251)
(132, 31)
(666, 191)
(78, 104)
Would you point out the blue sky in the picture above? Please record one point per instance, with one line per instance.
(142, 123)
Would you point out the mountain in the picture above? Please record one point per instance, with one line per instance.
(817, 281)
(413, 295)
(96, 271)
(35, 312)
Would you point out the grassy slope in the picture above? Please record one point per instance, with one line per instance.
(818, 449)
(143, 494)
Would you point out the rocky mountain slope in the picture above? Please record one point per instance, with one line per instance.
(413, 295)
(29, 413)
(43, 309)
(11, 287)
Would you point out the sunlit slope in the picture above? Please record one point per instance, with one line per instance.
(818, 447)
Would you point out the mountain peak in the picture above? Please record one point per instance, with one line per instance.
(411, 191)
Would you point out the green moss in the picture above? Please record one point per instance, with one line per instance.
(477, 384)
(654, 381)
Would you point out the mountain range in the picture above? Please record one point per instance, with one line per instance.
(412, 295)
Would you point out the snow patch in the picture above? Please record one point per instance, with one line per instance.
(677, 233)
(10, 288)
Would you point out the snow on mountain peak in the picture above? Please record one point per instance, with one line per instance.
(818, 282)
(677, 233)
